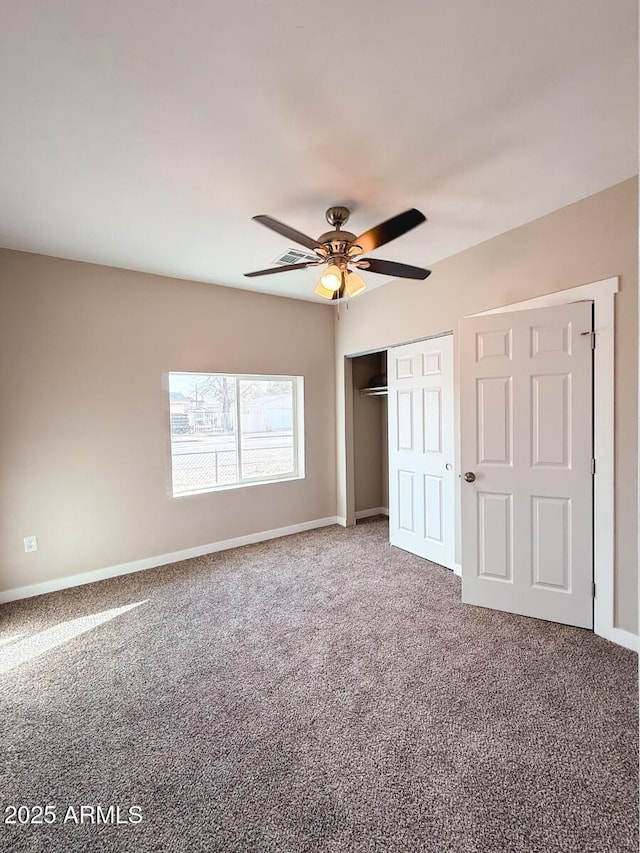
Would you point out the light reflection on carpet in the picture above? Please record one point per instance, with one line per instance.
(16, 651)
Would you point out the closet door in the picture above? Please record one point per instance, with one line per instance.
(421, 449)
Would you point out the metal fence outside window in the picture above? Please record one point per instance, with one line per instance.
(199, 469)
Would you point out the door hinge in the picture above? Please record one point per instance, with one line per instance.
(593, 338)
(593, 466)
(593, 590)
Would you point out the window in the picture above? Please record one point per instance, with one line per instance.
(234, 430)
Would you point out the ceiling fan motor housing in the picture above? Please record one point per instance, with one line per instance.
(337, 242)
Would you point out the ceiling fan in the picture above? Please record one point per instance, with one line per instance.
(340, 250)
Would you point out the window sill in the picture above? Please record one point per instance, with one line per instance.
(228, 486)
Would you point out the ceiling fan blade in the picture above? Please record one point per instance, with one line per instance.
(286, 268)
(389, 230)
(286, 231)
(392, 268)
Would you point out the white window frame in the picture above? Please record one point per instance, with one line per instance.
(297, 384)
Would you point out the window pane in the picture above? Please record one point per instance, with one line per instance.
(267, 426)
(210, 449)
(203, 431)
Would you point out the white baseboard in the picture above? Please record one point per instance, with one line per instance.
(457, 569)
(622, 638)
(368, 513)
(341, 520)
(162, 560)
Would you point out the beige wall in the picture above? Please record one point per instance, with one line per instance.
(594, 239)
(85, 438)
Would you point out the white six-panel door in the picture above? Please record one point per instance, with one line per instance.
(421, 445)
(526, 437)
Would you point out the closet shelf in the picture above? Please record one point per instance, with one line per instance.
(374, 391)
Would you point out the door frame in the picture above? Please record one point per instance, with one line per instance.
(602, 293)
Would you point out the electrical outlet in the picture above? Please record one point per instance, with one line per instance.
(30, 543)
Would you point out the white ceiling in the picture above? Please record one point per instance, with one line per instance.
(146, 134)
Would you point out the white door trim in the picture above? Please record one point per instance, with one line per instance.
(603, 295)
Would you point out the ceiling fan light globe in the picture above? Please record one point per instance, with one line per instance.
(331, 279)
(323, 291)
(354, 284)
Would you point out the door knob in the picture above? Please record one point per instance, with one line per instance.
(470, 477)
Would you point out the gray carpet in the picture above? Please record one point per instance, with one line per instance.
(323, 692)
